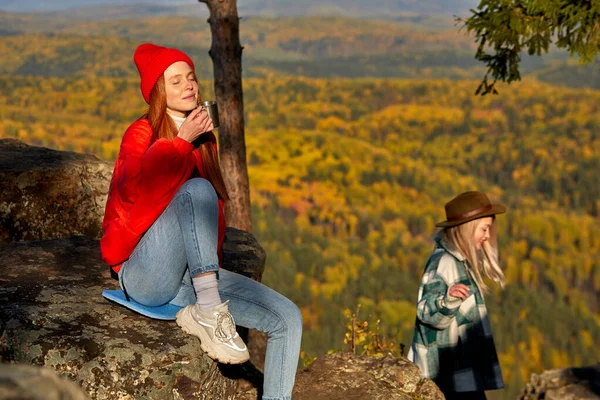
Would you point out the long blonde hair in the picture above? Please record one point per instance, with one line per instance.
(483, 262)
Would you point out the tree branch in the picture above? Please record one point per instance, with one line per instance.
(507, 27)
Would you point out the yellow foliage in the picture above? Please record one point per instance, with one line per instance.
(523, 315)
(588, 342)
(360, 339)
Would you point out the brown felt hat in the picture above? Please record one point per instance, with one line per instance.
(468, 206)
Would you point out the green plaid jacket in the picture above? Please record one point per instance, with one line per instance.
(453, 343)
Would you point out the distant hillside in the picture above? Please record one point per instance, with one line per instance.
(282, 38)
(44, 6)
(319, 47)
(354, 8)
(371, 36)
(372, 8)
(70, 55)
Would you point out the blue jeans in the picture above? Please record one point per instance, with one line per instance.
(182, 243)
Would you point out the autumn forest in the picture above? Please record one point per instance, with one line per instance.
(357, 134)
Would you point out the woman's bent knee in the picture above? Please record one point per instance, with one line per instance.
(199, 188)
(292, 317)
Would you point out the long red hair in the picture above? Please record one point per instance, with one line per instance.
(163, 127)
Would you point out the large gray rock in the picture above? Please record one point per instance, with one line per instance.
(28, 382)
(53, 315)
(564, 384)
(49, 194)
(344, 376)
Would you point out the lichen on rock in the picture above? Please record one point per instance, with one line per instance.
(344, 376)
(54, 315)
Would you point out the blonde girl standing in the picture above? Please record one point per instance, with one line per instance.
(453, 343)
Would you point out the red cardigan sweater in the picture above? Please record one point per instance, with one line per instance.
(144, 181)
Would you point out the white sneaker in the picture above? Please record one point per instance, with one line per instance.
(216, 330)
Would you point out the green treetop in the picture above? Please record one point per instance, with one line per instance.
(503, 28)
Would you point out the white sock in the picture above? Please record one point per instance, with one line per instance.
(207, 291)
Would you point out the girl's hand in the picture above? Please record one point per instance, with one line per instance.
(459, 290)
(197, 123)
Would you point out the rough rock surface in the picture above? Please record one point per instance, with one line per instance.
(49, 194)
(343, 376)
(564, 384)
(28, 382)
(53, 315)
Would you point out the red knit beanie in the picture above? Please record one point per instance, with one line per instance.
(152, 61)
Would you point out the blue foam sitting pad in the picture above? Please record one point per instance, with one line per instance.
(164, 312)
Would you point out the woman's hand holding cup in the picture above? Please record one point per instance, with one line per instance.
(197, 123)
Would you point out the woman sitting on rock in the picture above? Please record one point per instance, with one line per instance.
(164, 226)
(453, 343)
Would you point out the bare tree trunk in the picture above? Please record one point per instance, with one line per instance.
(226, 53)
